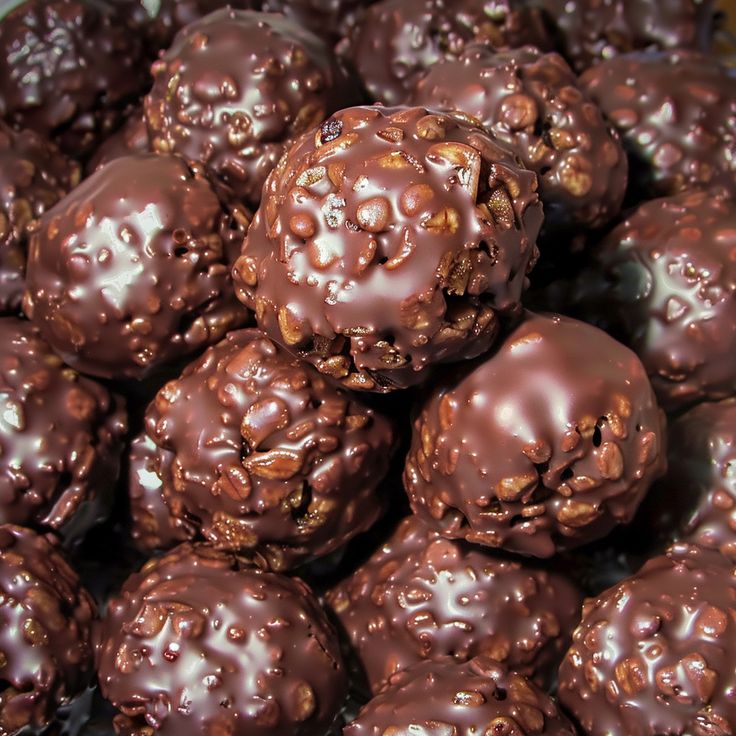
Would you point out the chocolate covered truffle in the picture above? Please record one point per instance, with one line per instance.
(200, 642)
(545, 445)
(34, 176)
(389, 240)
(46, 656)
(654, 654)
(131, 271)
(664, 282)
(60, 438)
(676, 114)
(421, 596)
(236, 88)
(258, 451)
(68, 68)
(531, 103)
(132, 138)
(463, 699)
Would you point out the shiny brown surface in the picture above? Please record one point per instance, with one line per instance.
(132, 138)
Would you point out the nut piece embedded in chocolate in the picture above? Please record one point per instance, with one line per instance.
(390, 240)
(131, 271)
(674, 111)
(421, 596)
(463, 699)
(236, 88)
(654, 654)
(201, 642)
(130, 139)
(259, 451)
(547, 444)
(46, 656)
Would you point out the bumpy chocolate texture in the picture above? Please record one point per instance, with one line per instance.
(46, 656)
(198, 642)
(34, 176)
(664, 283)
(132, 138)
(654, 654)
(421, 596)
(67, 70)
(546, 445)
(330, 19)
(676, 114)
(463, 699)
(389, 240)
(236, 88)
(60, 438)
(258, 451)
(590, 31)
(131, 270)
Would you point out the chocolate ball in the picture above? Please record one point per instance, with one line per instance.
(60, 438)
(676, 114)
(256, 450)
(131, 270)
(531, 102)
(34, 176)
(46, 656)
(664, 283)
(372, 197)
(200, 642)
(654, 654)
(236, 88)
(421, 596)
(545, 445)
(132, 138)
(463, 699)
(68, 68)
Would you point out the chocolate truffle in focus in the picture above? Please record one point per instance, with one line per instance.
(131, 271)
(390, 240)
(654, 654)
(421, 596)
(246, 651)
(45, 631)
(236, 88)
(545, 445)
(132, 138)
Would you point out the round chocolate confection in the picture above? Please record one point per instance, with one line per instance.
(258, 451)
(397, 41)
(236, 88)
(46, 656)
(201, 642)
(654, 654)
(60, 438)
(389, 240)
(545, 445)
(664, 283)
(131, 270)
(132, 138)
(34, 176)
(531, 102)
(421, 596)
(463, 699)
(68, 68)
(676, 114)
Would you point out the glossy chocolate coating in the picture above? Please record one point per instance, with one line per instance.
(46, 656)
(259, 451)
(236, 88)
(67, 70)
(421, 596)
(531, 102)
(389, 240)
(676, 114)
(34, 176)
(198, 642)
(132, 138)
(60, 438)
(462, 699)
(546, 445)
(654, 654)
(131, 271)
(664, 282)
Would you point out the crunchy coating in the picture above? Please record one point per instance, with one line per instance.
(130, 139)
